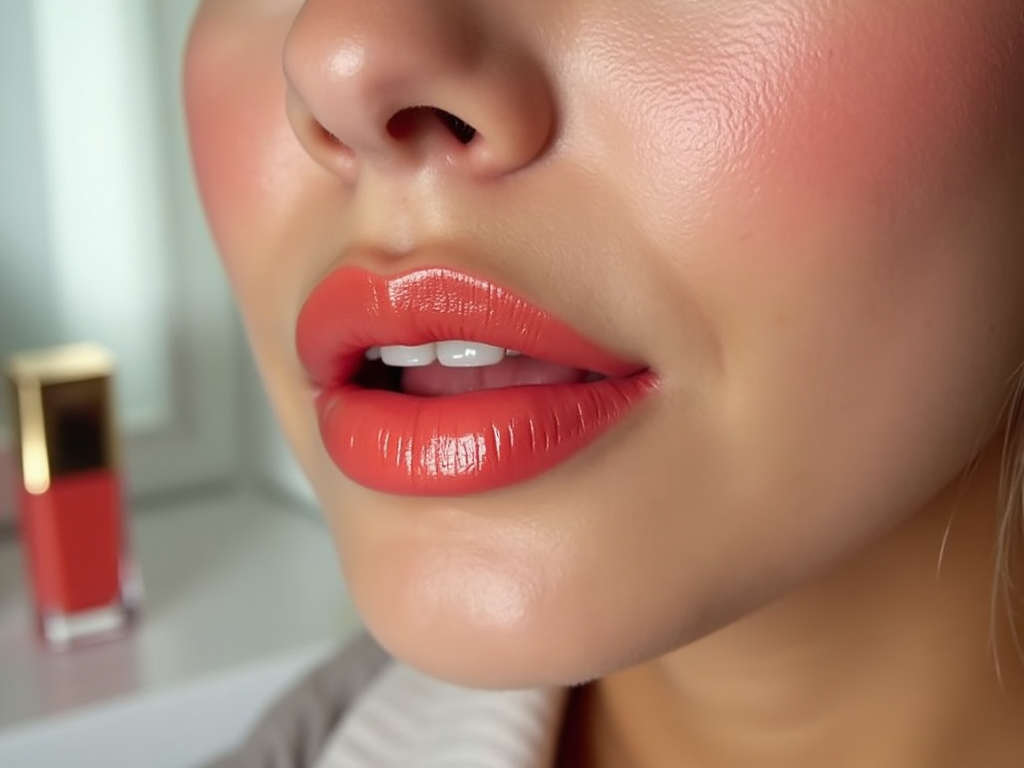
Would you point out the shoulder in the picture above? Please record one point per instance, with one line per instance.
(406, 718)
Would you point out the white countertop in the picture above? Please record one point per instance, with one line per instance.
(242, 595)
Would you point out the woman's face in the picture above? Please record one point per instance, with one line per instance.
(764, 258)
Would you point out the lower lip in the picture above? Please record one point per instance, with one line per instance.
(470, 443)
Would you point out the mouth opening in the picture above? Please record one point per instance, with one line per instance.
(436, 380)
(374, 374)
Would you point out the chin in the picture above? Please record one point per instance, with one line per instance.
(487, 620)
(462, 615)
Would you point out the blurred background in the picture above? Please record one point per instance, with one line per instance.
(102, 239)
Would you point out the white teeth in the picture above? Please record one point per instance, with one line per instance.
(408, 357)
(452, 354)
(513, 352)
(468, 354)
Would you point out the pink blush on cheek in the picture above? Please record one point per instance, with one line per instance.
(244, 152)
(882, 118)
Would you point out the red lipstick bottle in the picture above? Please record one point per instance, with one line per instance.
(70, 498)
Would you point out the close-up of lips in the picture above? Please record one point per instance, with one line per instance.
(512, 383)
(647, 379)
(435, 382)
(646, 367)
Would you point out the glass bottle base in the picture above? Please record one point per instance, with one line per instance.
(62, 631)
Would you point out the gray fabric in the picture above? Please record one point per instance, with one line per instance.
(292, 733)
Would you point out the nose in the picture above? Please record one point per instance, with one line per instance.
(405, 84)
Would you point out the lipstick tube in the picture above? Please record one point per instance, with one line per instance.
(70, 497)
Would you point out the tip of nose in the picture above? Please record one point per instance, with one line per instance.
(408, 122)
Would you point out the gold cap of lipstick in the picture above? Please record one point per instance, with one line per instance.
(62, 402)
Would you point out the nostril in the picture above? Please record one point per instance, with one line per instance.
(406, 122)
(460, 129)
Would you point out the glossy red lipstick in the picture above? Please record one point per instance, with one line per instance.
(452, 445)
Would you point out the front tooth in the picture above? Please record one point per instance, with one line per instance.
(468, 354)
(408, 357)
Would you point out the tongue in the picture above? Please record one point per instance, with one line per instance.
(435, 380)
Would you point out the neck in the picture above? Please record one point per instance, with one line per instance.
(899, 657)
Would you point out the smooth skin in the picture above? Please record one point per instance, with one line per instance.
(805, 216)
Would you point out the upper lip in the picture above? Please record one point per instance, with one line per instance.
(354, 309)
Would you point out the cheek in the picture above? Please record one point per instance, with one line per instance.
(247, 162)
(829, 169)
(880, 199)
(828, 105)
(843, 219)
(879, 120)
(255, 184)
(868, 275)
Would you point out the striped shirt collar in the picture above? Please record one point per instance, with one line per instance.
(407, 720)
